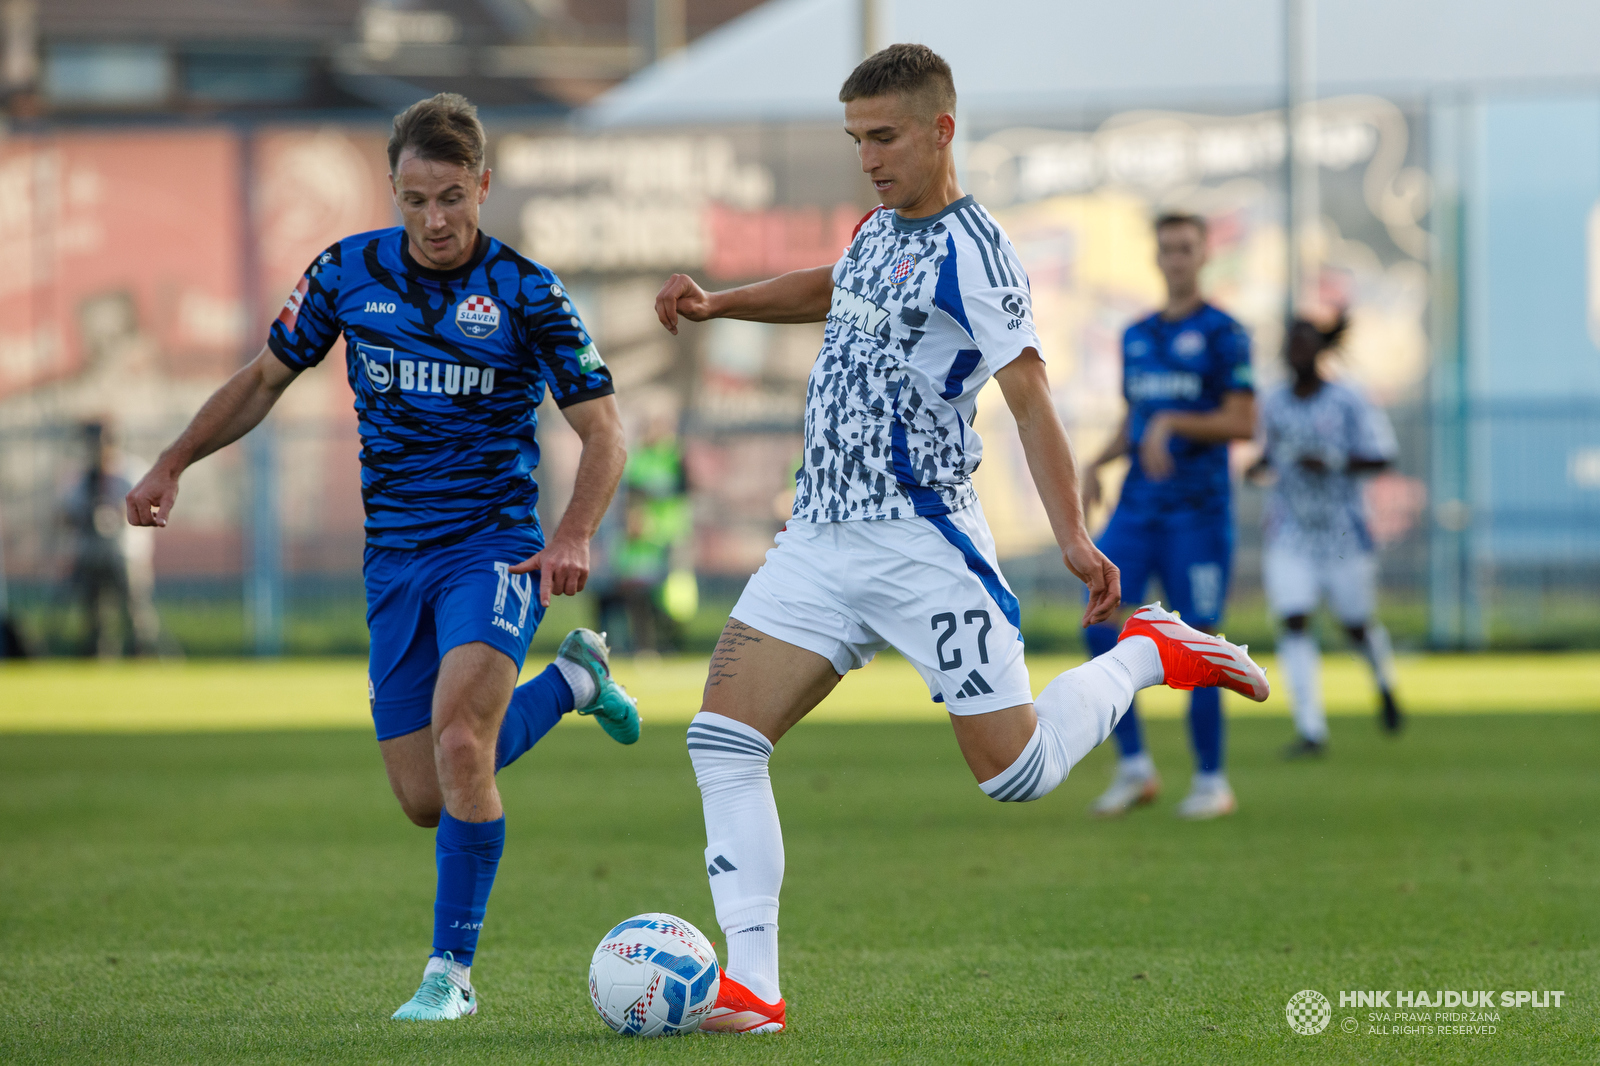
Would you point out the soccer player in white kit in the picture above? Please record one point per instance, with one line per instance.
(1320, 437)
(887, 546)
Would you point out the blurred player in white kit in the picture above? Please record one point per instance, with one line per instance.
(1320, 437)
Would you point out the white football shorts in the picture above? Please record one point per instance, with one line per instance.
(929, 588)
(1297, 580)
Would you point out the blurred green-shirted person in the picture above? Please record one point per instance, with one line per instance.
(651, 570)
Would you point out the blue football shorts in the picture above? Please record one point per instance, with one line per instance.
(1190, 552)
(420, 604)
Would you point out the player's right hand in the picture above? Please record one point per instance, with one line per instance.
(682, 296)
(1090, 565)
(150, 502)
(1089, 490)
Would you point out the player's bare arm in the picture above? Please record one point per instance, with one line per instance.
(1055, 474)
(1235, 419)
(1115, 448)
(798, 296)
(231, 412)
(563, 565)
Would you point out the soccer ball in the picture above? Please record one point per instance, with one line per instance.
(654, 975)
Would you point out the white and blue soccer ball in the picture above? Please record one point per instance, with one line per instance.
(654, 975)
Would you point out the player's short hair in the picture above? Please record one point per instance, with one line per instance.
(442, 128)
(913, 70)
(1180, 218)
(1328, 337)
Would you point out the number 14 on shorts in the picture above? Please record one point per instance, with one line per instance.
(520, 586)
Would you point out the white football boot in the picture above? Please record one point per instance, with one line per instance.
(1209, 797)
(1132, 787)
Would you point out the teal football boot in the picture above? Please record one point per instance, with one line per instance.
(615, 710)
(439, 999)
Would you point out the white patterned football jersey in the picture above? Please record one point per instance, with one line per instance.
(1321, 513)
(924, 312)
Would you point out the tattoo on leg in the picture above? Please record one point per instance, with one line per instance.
(736, 636)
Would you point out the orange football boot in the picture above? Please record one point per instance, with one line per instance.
(1192, 659)
(739, 1011)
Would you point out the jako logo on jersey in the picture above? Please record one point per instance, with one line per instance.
(1189, 344)
(857, 310)
(374, 308)
(902, 269)
(477, 316)
(1174, 386)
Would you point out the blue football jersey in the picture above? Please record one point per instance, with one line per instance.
(1185, 365)
(447, 368)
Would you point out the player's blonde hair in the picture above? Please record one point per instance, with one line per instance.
(443, 128)
(914, 70)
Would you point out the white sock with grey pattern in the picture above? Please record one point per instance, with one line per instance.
(744, 845)
(1379, 655)
(1077, 712)
(1301, 661)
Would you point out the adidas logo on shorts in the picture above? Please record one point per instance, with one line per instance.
(975, 686)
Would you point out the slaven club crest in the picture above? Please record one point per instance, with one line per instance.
(477, 316)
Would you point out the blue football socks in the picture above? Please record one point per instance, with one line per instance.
(535, 708)
(468, 855)
(1130, 737)
(1205, 728)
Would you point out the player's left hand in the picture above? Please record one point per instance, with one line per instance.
(1155, 453)
(1089, 565)
(563, 569)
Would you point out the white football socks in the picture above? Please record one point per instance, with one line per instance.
(459, 975)
(1077, 712)
(579, 680)
(1379, 654)
(753, 960)
(744, 845)
(1140, 765)
(1301, 660)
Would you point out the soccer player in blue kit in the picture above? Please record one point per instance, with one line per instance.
(451, 341)
(1188, 383)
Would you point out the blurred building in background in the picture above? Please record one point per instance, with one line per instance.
(171, 167)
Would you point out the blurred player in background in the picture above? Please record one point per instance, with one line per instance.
(887, 545)
(113, 571)
(1319, 438)
(1186, 376)
(451, 341)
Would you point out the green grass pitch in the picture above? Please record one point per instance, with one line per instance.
(257, 897)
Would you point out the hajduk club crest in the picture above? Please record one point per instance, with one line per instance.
(902, 269)
(477, 316)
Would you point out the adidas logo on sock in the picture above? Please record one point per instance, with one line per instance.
(975, 686)
(720, 865)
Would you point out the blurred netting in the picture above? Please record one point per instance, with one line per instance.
(1523, 573)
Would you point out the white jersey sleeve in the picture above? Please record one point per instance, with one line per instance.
(992, 303)
(1371, 434)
